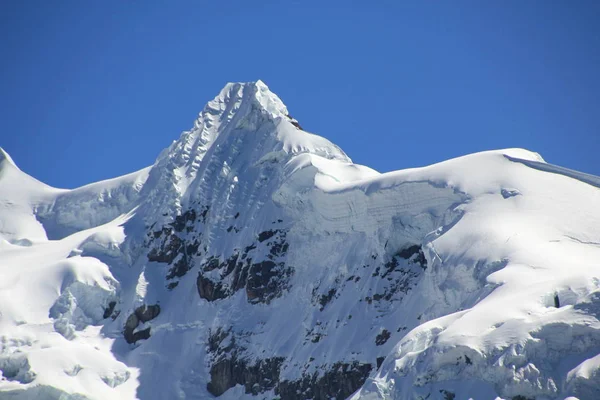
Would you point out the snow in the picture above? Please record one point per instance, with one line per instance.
(505, 236)
(52, 306)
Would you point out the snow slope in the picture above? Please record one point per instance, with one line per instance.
(255, 260)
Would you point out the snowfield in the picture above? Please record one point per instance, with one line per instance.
(255, 260)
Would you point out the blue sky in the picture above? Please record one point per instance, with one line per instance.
(92, 90)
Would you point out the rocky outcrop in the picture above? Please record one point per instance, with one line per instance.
(256, 378)
(447, 394)
(339, 381)
(262, 280)
(382, 337)
(142, 315)
(210, 290)
(109, 310)
(294, 121)
(266, 281)
(230, 368)
(171, 246)
(400, 274)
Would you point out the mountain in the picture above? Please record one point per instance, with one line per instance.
(255, 260)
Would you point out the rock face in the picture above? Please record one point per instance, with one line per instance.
(339, 382)
(170, 246)
(256, 379)
(382, 337)
(262, 280)
(232, 364)
(231, 368)
(142, 315)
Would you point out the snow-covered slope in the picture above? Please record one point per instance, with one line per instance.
(255, 260)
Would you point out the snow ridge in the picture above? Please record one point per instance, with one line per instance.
(4, 157)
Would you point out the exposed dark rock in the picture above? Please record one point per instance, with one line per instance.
(278, 248)
(294, 122)
(230, 265)
(556, 301)
(508, 193)
(216, 338)
(266, 235)
(240, 275)
(447, 394)
(382, 337)
(230, 368)
(340, 381)
(314, 334)
(141, 335)
(380, 361)
(210, 290)
(173, 245)
(169, 248)
(185, 263)
(266, 281)
(263, 280)
(402, 273)
(181, 221)
(147, 313)
(211, 264)
(408, 252)
(414, 254)
(109, 310)
(326, 298)
(141, 314)
(256, 378)
(204, 213)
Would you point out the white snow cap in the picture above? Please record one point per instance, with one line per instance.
(4, 156)
(257, 93)
(267, 99)
(243, 109)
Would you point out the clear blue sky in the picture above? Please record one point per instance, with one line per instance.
(95, 89)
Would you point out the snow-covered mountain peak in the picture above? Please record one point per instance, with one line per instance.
(237, 95)
(251, 113)
(245, 133)
(6, 159)
(250, 109)
(255, 260)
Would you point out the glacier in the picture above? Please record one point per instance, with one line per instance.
(254, 259)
